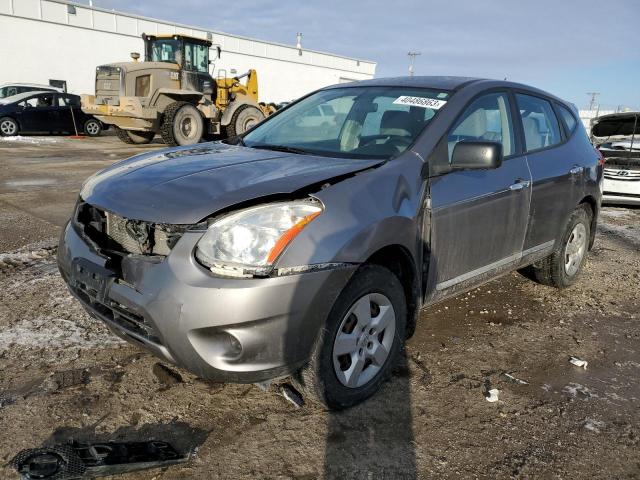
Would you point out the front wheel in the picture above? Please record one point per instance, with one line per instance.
(361, 341)
(244, 118)
(8, 127)
(561, 268)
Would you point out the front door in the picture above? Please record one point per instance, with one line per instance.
(40, 114)
(479, 217)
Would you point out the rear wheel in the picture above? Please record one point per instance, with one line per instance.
(182, 124)
(245, 117)
(8, 127)
(361, 341)
(138, 137)
(561, 268)
(92, 127)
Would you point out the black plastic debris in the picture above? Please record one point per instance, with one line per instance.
(292, 395)
(89, 460)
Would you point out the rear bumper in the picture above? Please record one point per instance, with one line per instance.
(229, 330)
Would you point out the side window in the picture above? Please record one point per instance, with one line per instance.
(63, 101)
(488, 118)
(42, 101)
(541, 128)
(568, 119)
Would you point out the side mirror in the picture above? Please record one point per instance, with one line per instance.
(476, 155)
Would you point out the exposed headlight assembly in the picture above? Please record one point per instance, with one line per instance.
(249, 241)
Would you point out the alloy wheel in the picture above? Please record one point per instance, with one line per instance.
(575, 249)
(364, 340)
(9, 128)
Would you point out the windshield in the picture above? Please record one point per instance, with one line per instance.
(351, 122)
(165, 50)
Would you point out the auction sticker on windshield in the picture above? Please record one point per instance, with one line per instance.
(431, 103)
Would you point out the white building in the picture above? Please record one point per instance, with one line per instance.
(42, 40)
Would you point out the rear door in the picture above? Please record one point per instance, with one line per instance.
(479, 217)
(70, 115)
(556, 175)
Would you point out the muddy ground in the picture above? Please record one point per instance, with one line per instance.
(64, 376)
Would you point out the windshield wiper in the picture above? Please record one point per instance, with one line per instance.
(281, 148)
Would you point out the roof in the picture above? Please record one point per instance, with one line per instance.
(22, 96)
(448, 83)
(435, 82)
(39, 85)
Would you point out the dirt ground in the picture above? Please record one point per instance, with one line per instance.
(64, 376)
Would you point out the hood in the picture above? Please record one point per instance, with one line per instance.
(184, 185)
(625, 123)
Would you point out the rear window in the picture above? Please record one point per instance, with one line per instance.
(541, 127)
(568, 119)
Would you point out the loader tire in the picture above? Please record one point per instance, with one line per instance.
(138, 137)
(182, 124)
(244, 118)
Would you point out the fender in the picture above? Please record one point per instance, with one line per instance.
(239, 101)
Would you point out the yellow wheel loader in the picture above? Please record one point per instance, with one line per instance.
(172, 93)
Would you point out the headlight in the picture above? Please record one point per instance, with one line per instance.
(248, 242)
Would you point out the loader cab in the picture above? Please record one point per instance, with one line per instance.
(189, 53)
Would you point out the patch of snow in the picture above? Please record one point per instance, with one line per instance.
(56, 333)
(30, 182)
(593, 425)
(32, 140)
(575, 389)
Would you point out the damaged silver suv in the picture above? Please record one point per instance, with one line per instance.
(308, 250)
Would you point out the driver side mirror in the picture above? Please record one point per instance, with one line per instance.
(476, 155)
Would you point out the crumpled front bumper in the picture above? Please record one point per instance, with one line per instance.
(230, 330)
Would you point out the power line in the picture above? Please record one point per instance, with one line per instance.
(593, 96)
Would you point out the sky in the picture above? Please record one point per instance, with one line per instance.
(567, 47)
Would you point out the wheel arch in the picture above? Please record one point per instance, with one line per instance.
(590, 202)
(401, 263)
(240, 101)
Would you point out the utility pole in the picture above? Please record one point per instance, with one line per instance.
(593, 96)
(412, 58)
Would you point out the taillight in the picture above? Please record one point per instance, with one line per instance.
(601, 159)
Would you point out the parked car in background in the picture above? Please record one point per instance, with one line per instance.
(283, 253)
(45, 112)
(11, 89)
(617, 136)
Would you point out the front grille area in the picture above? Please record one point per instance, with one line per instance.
(108, 85)
(126, 236)
(116, 313)
(624, 173)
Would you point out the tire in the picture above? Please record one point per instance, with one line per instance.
(8, 127)
(326, 377)
(182, 124)
(92, 127)
(562, 267)
(244, 118)
(138, 137)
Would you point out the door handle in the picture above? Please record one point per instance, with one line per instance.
(575, 170)
(519, 185)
